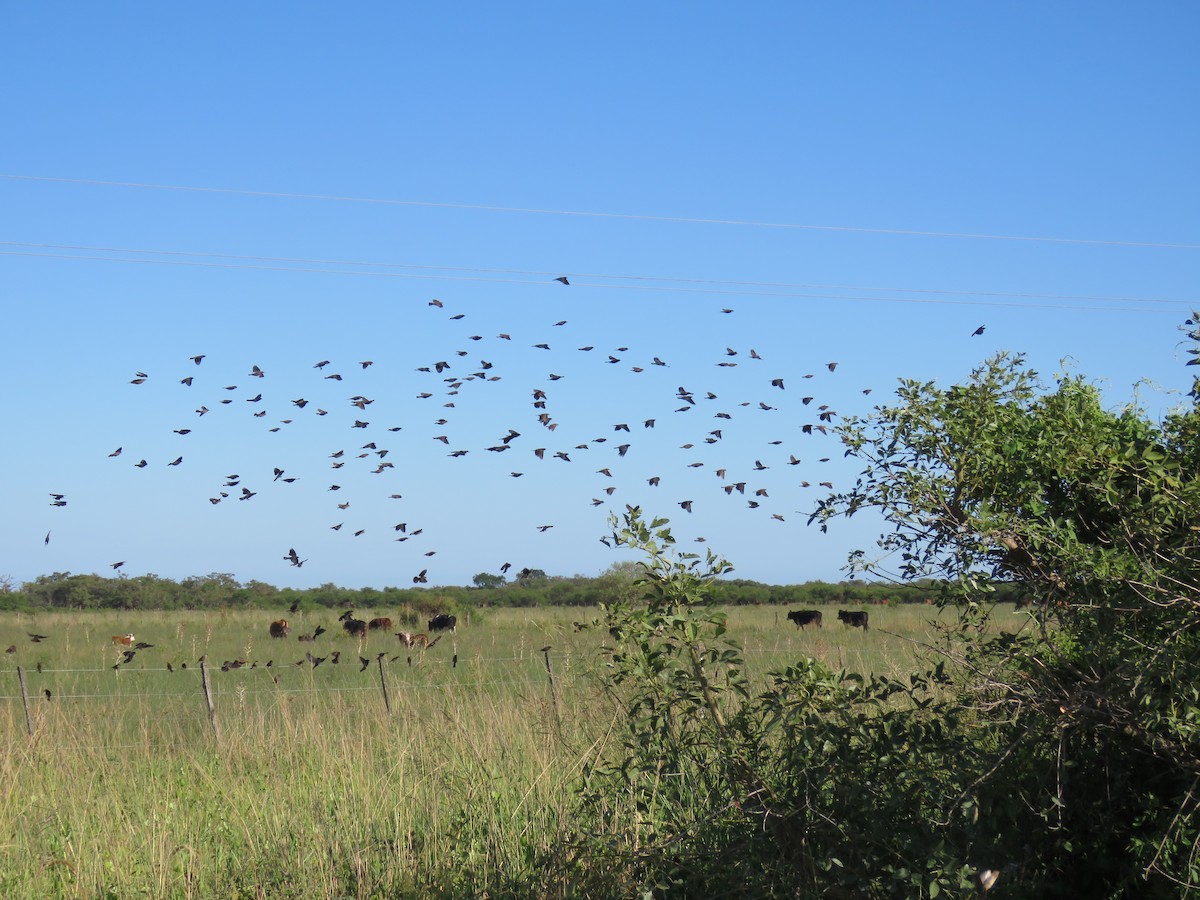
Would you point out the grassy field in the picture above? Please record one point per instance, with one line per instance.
(308, 787)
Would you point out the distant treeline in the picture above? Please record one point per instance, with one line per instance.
(62, 590)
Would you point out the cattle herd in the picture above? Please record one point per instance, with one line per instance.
(806, 617)
(128, 645)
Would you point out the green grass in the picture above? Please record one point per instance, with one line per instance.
(312, 789)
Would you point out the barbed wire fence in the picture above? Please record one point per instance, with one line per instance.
(214, 682)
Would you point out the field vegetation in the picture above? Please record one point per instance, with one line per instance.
(309, 788)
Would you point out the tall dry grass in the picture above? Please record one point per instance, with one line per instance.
(311, 789)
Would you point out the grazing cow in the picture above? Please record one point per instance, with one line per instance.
(123, 640)
(385, 624)
(280, 629)
(854, 619)
(803, 617)
(410, 640)
(443, 622)
(355, 628)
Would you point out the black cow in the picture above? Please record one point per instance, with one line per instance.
(355, 627)
(804, 617)
(854, 619)
(442, 622)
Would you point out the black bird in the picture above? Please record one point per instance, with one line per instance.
(365, 662)
(36, 638)
(978, 331)
(562, 279)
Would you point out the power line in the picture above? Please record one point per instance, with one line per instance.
(482, 207)
(778, 295)
(1024, 295)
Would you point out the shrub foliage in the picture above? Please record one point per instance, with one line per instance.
(1060, 761)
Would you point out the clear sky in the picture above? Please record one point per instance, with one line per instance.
(276, 185)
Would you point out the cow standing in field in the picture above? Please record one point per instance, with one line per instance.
(123, 640)
(353, 627)
(854, 619)
(410, 640)
(442, 622)
(280, 629)
(385, 624)
(803, 617)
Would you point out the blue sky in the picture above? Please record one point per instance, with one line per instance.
(275, 185)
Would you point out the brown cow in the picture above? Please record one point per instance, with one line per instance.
(123, 640)
(410, 640)
(385, 624)
(280, 629)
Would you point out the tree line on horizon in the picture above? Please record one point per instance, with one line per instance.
(66, 591)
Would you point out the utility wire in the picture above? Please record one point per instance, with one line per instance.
(662, 279)
(857, 229)
(784, 295)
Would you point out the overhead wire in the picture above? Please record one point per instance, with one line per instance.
(358, 269)
(859, 229)
(1025, 295)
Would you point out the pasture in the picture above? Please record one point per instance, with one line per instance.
(307, 787)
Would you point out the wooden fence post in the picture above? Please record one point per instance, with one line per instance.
(25, 701)
(212, 712)
(553, 689)
(387, 701)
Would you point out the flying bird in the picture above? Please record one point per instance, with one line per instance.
(562, 279)
(978, 331)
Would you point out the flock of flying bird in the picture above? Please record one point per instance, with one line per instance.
(449, 377)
